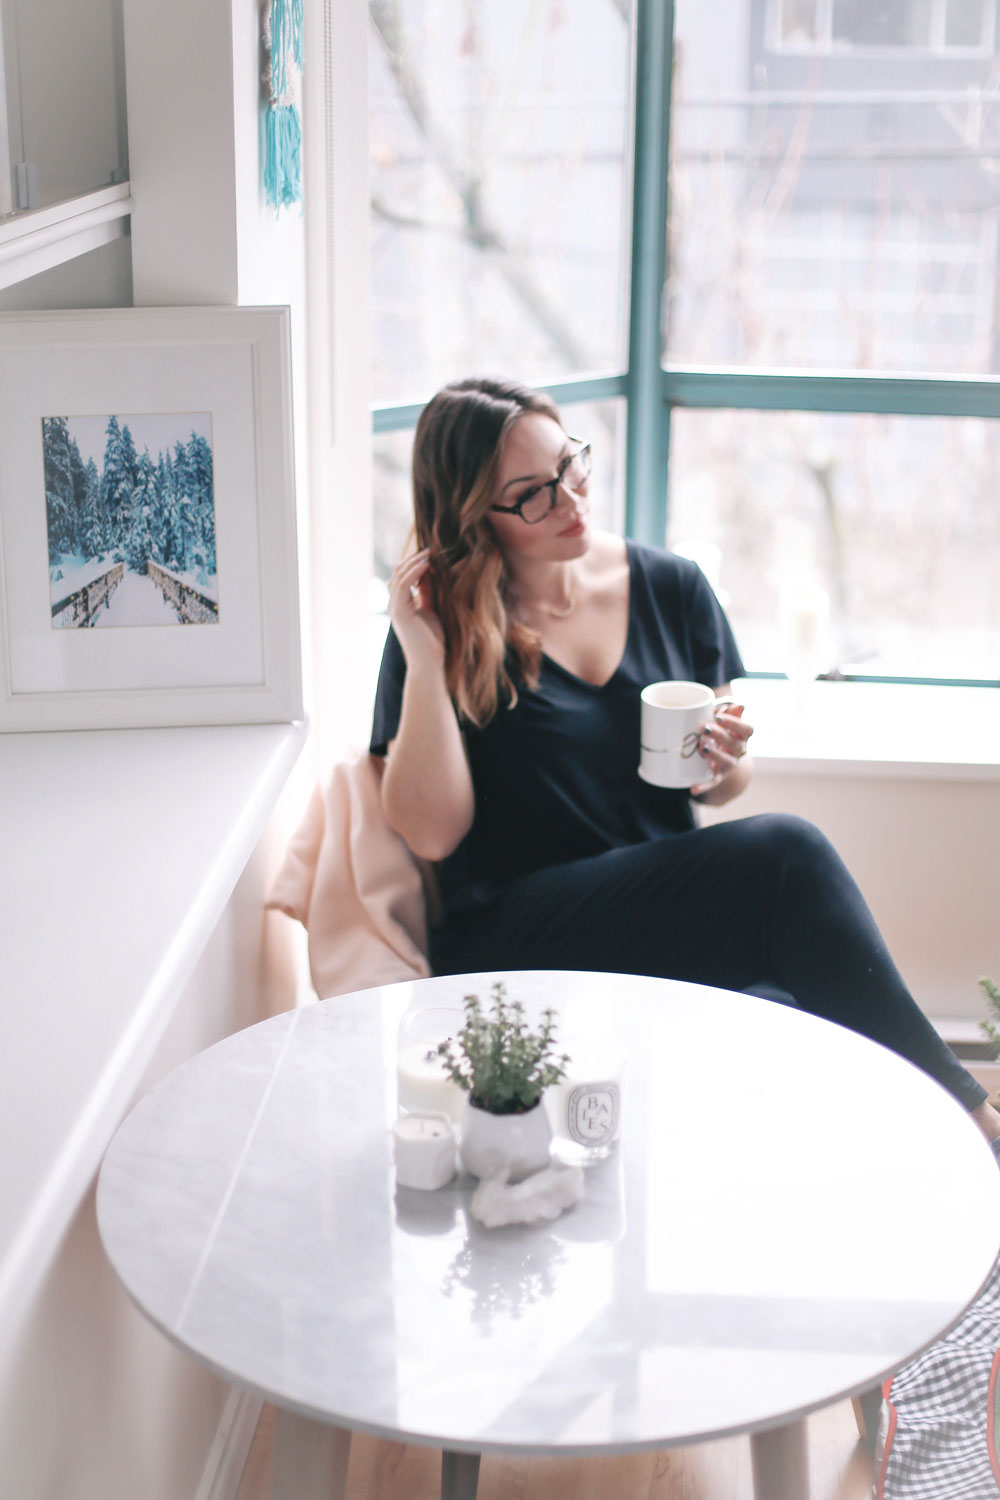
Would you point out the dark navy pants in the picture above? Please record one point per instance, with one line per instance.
(757, 901)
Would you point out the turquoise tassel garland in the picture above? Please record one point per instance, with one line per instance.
(281, 168)
(287, 18)
(282, 155)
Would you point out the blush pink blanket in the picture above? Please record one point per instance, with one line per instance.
(354, 885)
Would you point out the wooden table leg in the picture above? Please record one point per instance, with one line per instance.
(309, 1459)
(780, 1463)
(868, 1411)
(459, 1475)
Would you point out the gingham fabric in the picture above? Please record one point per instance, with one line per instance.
(940, 1414)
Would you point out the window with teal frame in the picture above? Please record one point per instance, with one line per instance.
(760, 277)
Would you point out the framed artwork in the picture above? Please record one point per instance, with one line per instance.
(148, 570)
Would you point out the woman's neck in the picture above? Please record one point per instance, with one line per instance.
(544, 588)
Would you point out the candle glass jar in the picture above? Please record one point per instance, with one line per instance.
(423, 1085)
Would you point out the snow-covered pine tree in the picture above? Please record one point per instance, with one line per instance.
(199, 463)
(138, 536)
(92, 541)
(78, 473)
(157, 520)
(169, 524)
(186, 524)
(59, 507)
(117, 483)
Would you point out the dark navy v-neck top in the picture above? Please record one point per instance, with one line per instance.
(555, 777)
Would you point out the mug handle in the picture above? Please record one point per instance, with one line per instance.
(719, 703)
(722, 703)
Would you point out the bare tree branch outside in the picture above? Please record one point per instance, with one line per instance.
(834, 205)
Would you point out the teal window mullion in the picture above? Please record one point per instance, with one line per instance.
(832, 391)
(403, 417)
(648, 435)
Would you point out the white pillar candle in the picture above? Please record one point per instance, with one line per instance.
(422, 1082)
(805, 622)
(425, 1151)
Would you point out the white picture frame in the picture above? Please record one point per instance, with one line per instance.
(225, 371)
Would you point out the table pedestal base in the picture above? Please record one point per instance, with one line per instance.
(780, 1463)
(310, 1458)
(459, 1475)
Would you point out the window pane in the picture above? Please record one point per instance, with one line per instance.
(827, 211)
(882, 23)
(602, 423)
(965, 23)
(892, 519)
(799, 22)
(499, 144)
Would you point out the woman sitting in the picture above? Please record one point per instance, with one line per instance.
(508, 709)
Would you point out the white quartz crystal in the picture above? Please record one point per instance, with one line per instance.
(545, 1195)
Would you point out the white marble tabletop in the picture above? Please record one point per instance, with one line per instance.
(785, 1220)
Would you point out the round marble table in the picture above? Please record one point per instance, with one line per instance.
(786, 1219)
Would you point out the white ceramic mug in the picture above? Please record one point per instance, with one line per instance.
(673, 717)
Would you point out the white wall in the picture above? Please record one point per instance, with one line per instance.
(65, 54)
(96, 1404)
(336, 124)
(101, 278)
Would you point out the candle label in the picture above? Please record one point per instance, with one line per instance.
(592, 1113)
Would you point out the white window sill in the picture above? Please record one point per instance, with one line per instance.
(121, 848)
(860, 729)
(873, 729)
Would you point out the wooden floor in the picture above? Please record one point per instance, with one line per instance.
(839, 1470)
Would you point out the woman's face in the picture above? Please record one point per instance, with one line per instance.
(535, 450)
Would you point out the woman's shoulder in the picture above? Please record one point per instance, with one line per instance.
(660, 577)
(614, 557)
(658, 563)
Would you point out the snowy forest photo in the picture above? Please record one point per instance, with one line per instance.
(131, 520)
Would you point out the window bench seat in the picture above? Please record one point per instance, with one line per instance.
(121, 851)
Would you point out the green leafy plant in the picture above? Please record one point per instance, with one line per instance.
(502, 1063)
(992, 1026)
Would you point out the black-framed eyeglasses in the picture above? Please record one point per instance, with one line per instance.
(534, 505)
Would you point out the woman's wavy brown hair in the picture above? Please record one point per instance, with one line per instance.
(456, 457)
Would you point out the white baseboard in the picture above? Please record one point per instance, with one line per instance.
(227, 1458)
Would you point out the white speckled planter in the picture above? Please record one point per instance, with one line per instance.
(492, 1143)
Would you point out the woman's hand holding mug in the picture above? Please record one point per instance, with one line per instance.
(723, 743)
(683, 725)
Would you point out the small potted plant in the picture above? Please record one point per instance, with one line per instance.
(504, 1067)
(988, 1072)
(991, 1028)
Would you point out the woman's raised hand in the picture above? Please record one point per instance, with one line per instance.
(411, 610)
